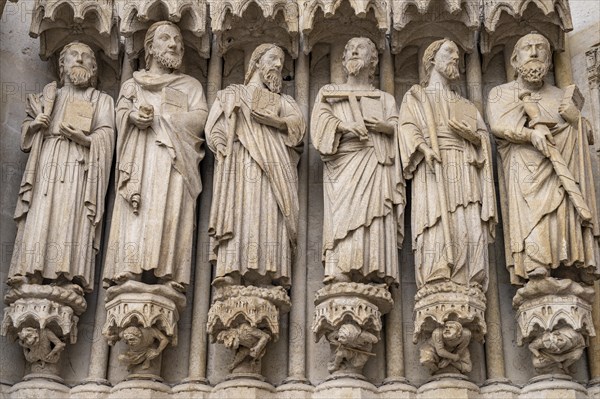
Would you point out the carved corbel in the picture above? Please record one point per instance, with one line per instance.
(43, 319)
(348, 315)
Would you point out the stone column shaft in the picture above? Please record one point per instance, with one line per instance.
(100, 349)
(563, 73)
(394, 339)
(336, 53)
(297, 335)
(474, 83)
(203, 274)
(386, 70)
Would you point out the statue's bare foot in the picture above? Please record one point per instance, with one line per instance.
(17, 281)
(73, 287)
(175, 285)
(337, 278)
(123, 277)
(538, 272)
(225, 281)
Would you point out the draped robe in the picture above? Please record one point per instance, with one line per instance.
(254, 214)
(363, 193)
(470, 195)
(160, 165)
(543, 228)
(61, 200)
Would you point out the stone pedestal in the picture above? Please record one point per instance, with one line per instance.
(555, 386)
(145, 316)
(348, 315)
(345, 387)
(451, 386)
(499, 389)
(191, 389)
(294, 391)
(246, 388)
(594, 389)
(245, 319)
(398, 388)
(39, 388)
(140, 389)
(555, 320)
(91, 390)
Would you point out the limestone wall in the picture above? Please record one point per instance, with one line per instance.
(23, 72)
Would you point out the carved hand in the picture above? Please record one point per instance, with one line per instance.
(269, 118)
(75, 134)
(569, 112)
(40, 121)
(430, 156)
(141, 120)
(540, 136)
(379, 126)
(221, 151)
(464, 130)
(354, 128)
(152, 353)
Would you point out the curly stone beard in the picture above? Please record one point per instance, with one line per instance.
(168, 60)
(451, 72)
(272, 78)
(533, 71)
(353, 67)
(80, 75)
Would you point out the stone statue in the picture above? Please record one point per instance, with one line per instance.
(557, 349)
(248, 343)
(353, 126)
(40, 346)
(256, 134)
(142, 348)
(160, 116)
(446, 152)
(69, 134)
(551, 220)
(447, 349)
(352, 348)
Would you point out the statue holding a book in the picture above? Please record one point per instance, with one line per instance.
(160, 116)
(446, 153)
(256, 134)
(354, 130)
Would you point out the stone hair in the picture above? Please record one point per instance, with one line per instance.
(256, 56)
(149, 38)
(374, 55)
(61, 62)
(513, 57)
(429, 56)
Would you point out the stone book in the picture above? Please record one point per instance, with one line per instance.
(79, 114)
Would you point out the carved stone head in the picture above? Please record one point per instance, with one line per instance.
(442, 56)
(164, 44)
(360, 52)
(77, 63)
(28, 337)
(531, 57)
(452, 330)
(267, 60)
(132, 336)
(230, 338)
